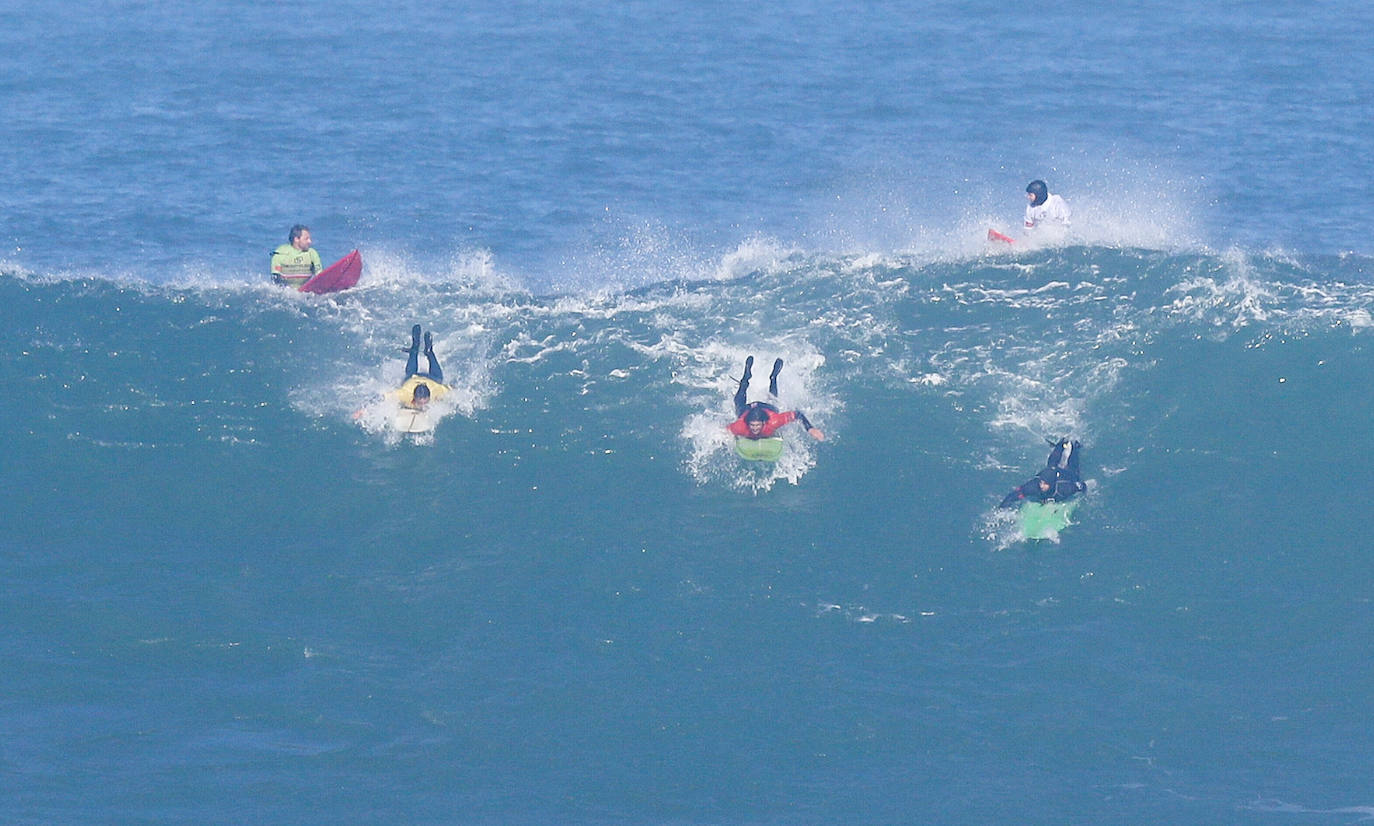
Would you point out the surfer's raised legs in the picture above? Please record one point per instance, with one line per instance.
(413, 362)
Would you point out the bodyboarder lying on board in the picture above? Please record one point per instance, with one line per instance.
(1059, 481)
(759, 420)
(418, 388)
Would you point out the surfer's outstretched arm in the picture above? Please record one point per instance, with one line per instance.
(1028, 491)
(814, 431)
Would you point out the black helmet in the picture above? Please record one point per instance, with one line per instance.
(1038, 189)
(1049, 475)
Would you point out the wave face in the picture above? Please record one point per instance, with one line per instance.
(574, 602)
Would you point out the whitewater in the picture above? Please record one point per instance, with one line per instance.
(575, 588)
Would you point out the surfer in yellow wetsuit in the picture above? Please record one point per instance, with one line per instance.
(295, 262)
(418, 388)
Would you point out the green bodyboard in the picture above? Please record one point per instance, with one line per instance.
(759, 450)
(1045, 521)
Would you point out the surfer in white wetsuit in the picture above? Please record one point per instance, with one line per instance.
(1045, 210)
(1059, 481)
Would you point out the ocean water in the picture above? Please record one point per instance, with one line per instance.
(234, 595)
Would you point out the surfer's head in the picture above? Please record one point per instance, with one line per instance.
(300, 237)
(1038, 192)
(1045, 478)
(755, 419)
(421, 397)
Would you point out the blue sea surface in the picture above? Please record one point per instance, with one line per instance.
(234, 594)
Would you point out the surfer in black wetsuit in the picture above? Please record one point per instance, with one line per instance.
(1059, 481)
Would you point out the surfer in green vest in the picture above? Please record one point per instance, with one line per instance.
(758, 420)
(294, 262)
(1059, 481)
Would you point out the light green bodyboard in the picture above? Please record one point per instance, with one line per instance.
(1045, 521)
(759, 450)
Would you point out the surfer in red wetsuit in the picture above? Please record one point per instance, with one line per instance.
(1060, 479)
(758, 420)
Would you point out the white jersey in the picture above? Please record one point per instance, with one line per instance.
(1054, 212)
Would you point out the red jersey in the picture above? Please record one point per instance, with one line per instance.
(740, 427)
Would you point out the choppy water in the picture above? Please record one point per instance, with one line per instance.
(228, 600)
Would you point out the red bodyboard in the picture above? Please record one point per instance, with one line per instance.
(994, 235)
(340, 275)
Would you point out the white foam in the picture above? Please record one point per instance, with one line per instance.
(709, 375)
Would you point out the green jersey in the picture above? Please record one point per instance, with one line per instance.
(293, 266)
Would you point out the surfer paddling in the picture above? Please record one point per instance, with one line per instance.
(294, 262)
(759, 420)
(1059, 481)
(418, 389)
(419, 386)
